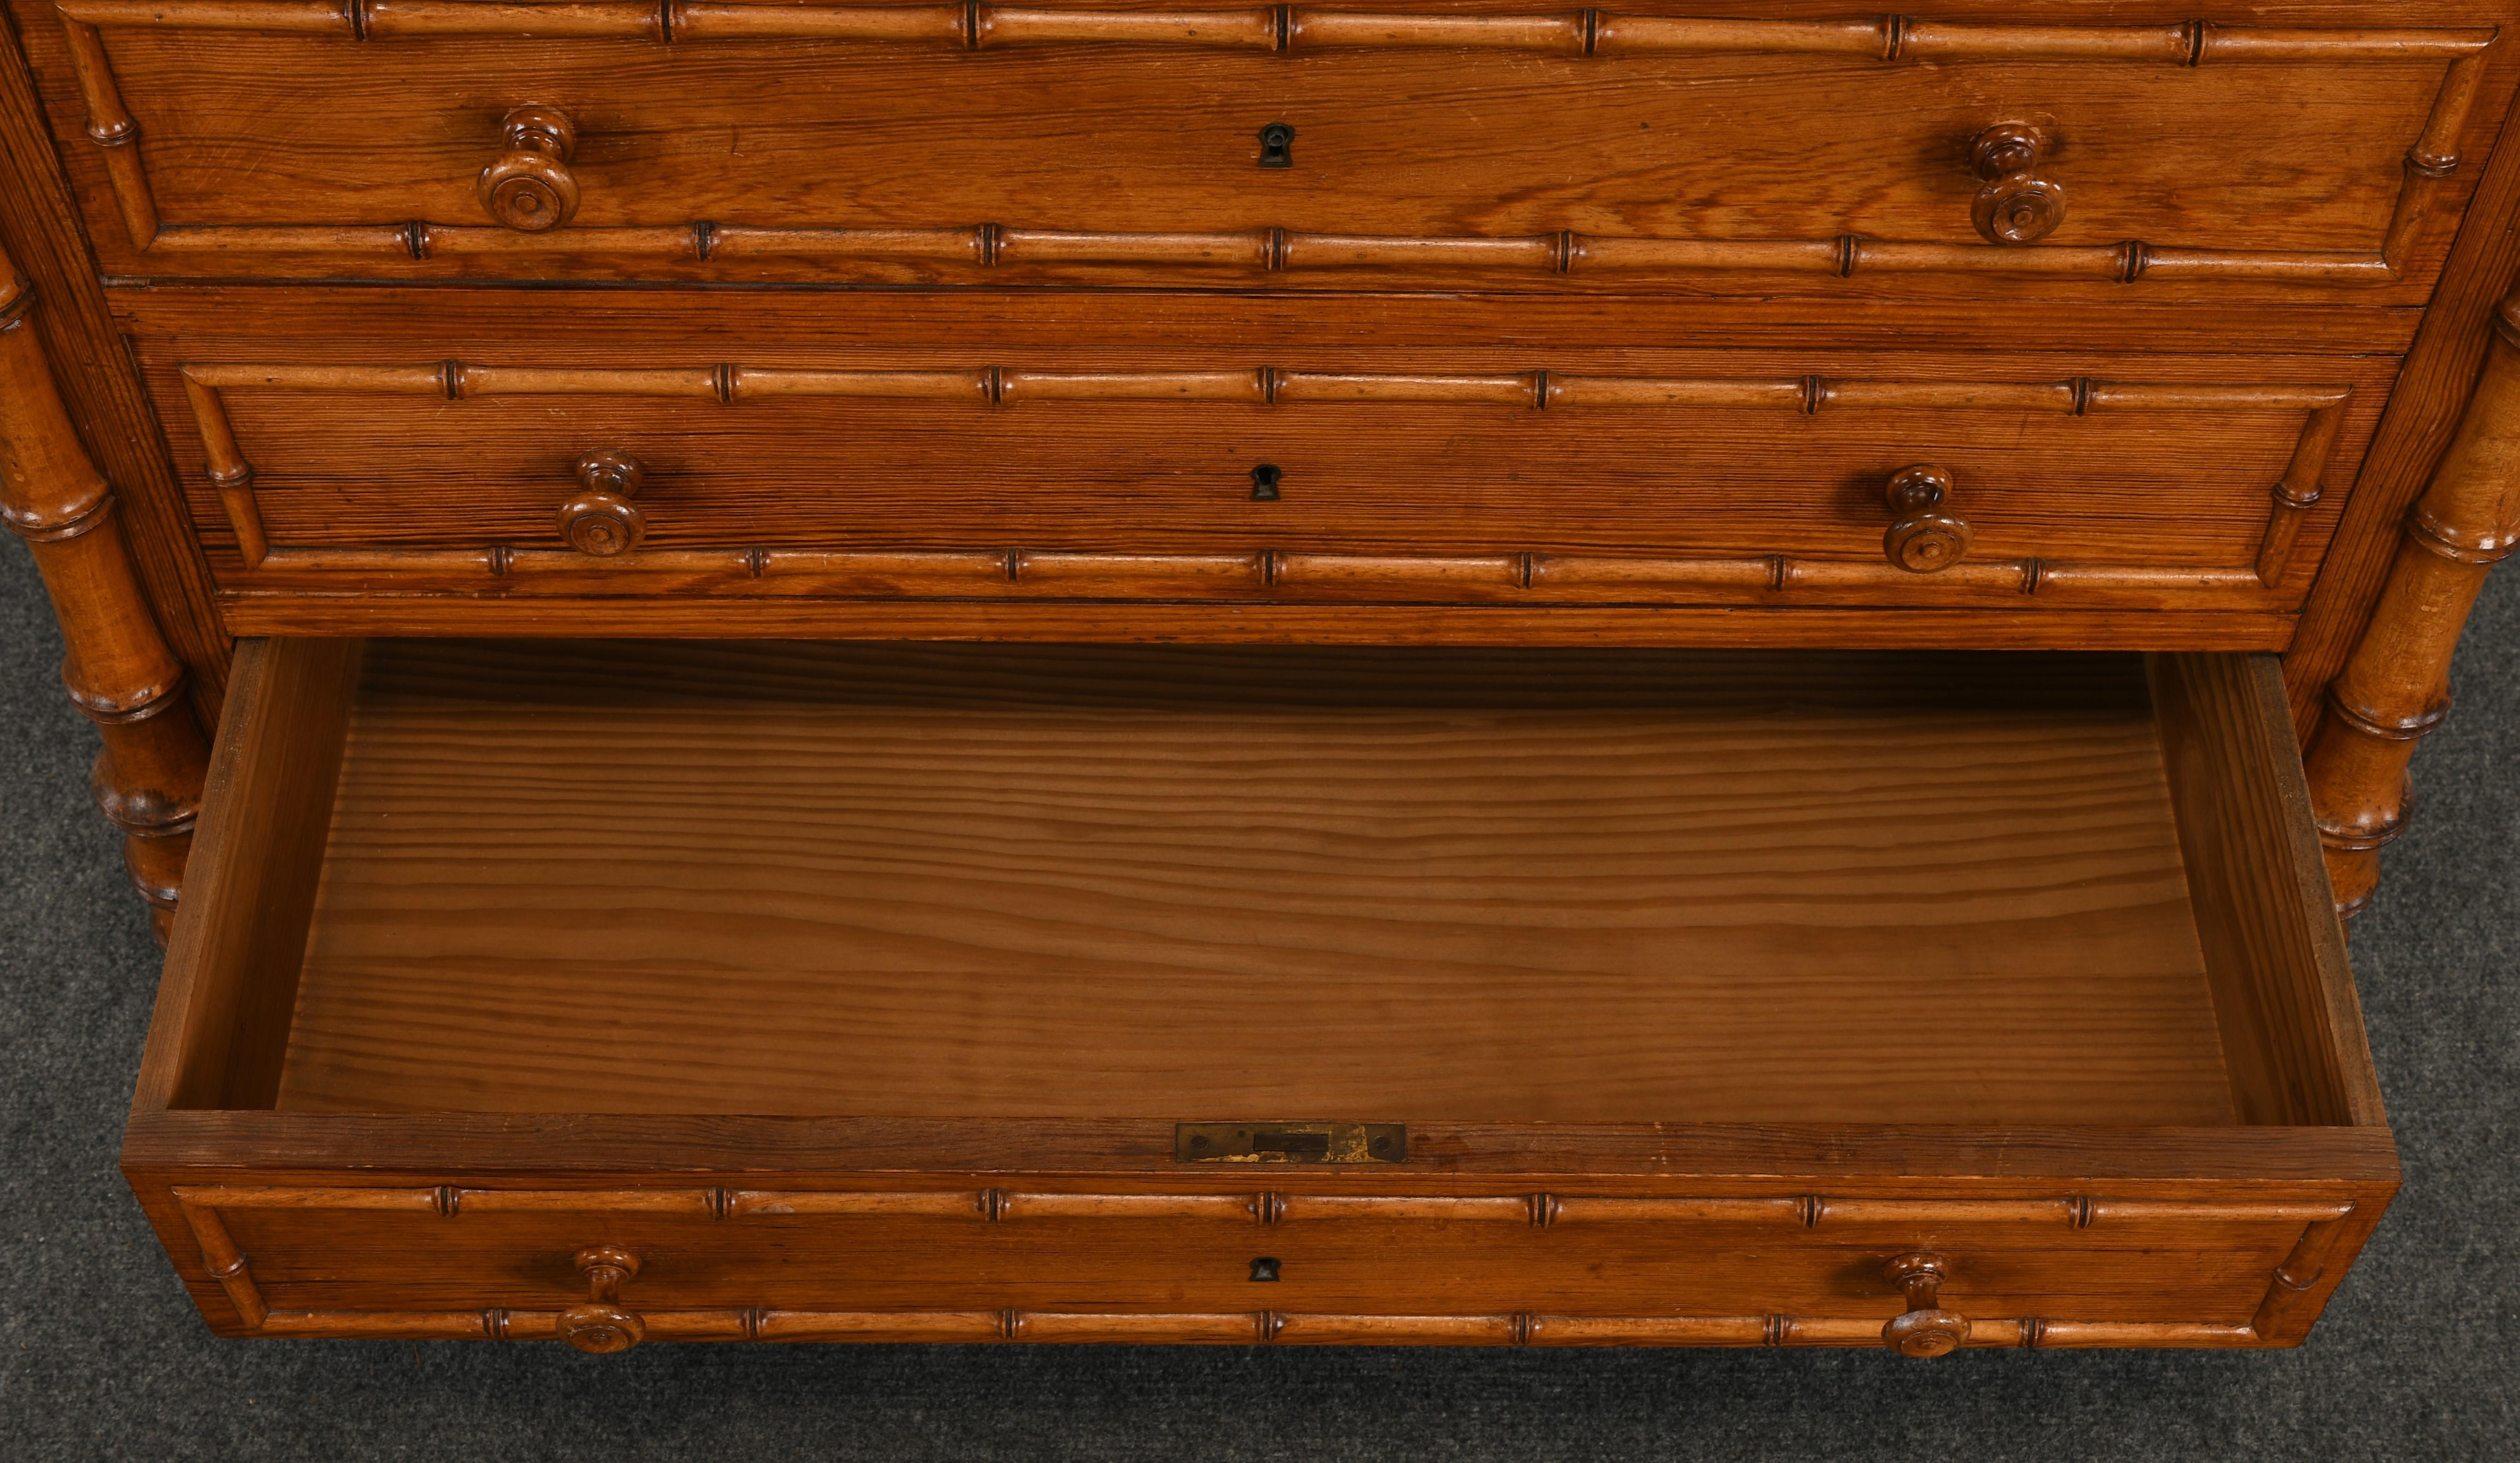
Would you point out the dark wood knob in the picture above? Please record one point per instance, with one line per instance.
(530, 187)
(1924, 538)
(1926, 1329)
(2016, 203)
(602, 1325)
(601, 519)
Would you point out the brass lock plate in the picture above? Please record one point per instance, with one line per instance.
(1290, 1143)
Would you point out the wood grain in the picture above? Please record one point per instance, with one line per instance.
(1643, 476)
(2292, 1028)
(2207, 1266)
(2396, 688)
(1677, 144)
(231, 977)
(40, 229)
(1558, 886)
(116, 665)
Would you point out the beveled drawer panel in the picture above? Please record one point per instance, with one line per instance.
(722, 1264)
(1670, 477)
(1992, 147)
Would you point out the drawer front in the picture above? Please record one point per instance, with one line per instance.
(1582, 477)
(1432, 146)
(974, 1265)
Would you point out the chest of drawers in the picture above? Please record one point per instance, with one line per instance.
(1461, 674)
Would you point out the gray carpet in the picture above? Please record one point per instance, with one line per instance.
(102, 1356)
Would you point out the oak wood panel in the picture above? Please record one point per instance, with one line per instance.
(2150, 464)
(1025, 884)
(347, 606)
(343, 321)
(2147, 116)
(2213, 1268)
(1665, 476)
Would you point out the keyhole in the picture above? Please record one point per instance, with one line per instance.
(1264, 482)
(1264, 1269)
(1278, 146)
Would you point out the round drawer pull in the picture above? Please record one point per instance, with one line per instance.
(1926, 1329)
(2017, 204)
(1924, 538)
(601, 519)
(530, 187)
(602, 1327)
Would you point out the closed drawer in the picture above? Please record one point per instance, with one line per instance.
(809, 476)
(705, 991)
(1984, 148)
(1258, 1266)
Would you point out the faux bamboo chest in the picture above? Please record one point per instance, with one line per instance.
(1450, 674)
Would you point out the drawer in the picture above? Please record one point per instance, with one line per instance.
(618, 989)
(1983, 148)
(886, 479)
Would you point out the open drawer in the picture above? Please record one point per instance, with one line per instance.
(610, 990)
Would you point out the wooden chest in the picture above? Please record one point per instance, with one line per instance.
(1260, 674)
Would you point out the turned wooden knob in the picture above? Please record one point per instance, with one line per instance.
(602, 1325)
(1924, 538)
(2016, 203)
(1926, 1329)
(601, 519)
(530, 187)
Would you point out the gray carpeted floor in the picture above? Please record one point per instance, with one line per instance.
(101, 1355)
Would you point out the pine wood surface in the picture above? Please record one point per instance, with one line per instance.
(1532, 911)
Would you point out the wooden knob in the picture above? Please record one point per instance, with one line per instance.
(601, 519)
(1926, 1329)
(602, 1325)
(2016, 203)
(1924, 538)
(530, 187)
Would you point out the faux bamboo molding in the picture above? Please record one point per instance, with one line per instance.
(2395, 689)
(608, 1268)
(1528, 575)
(119, 670)
(2430, 159)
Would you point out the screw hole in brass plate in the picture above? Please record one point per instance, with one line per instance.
(1290, 1143)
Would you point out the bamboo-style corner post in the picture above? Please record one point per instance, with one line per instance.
(2396, 687)
(148, 780)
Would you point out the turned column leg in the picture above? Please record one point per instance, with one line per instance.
(2396, 687)
(148, 780)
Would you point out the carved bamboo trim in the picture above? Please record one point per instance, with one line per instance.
(1521, 576)
(1262, 1207)
(2395, 687)
(119, 670)
(1890, 39)
(1252, 1328)
(2290, 1283)
(1292, 28)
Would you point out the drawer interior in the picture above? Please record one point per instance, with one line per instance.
(1189, 884)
